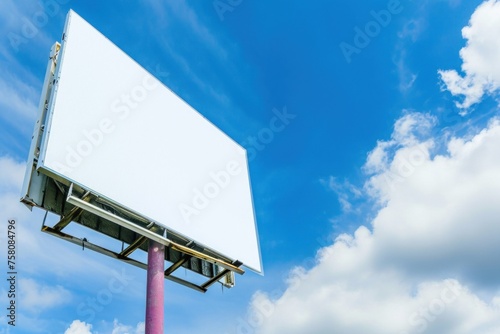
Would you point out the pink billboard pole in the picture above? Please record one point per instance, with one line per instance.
(155, 285)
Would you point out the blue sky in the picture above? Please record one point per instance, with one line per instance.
(377, 205)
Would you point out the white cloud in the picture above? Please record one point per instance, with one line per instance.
(408, 132)
(38, 297)
(427, 264)
(119, 328)
(79, 327)
(12, 174)
(480, 56)
(441, 217)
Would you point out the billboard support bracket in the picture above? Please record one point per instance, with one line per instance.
(104, 251)
(72, 214)
(147, 233)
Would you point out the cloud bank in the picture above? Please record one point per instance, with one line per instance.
(428, 262)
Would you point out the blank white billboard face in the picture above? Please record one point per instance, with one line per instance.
(116, 130)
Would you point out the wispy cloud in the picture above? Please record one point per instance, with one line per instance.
(38, 297)
(205, 39)
(412, 29)
(408, 35)
(24, 24)
(184, 12)
(346, 192)
(195, 78)
(18, 100)
(224, 74)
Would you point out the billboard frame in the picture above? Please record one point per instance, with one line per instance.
(38, 185)
(165, 149)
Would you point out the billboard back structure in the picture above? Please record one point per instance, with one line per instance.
(117, 151)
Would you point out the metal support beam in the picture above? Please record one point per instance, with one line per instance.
(72, 214)
(177, 264)
(214, 279)
(217, 277)
(133, 246)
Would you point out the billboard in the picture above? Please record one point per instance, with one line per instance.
(115, 130)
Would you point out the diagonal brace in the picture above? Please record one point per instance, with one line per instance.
(72, 214)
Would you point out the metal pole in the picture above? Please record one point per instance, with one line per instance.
(155, 285)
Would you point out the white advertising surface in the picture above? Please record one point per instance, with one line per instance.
(116, 130)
